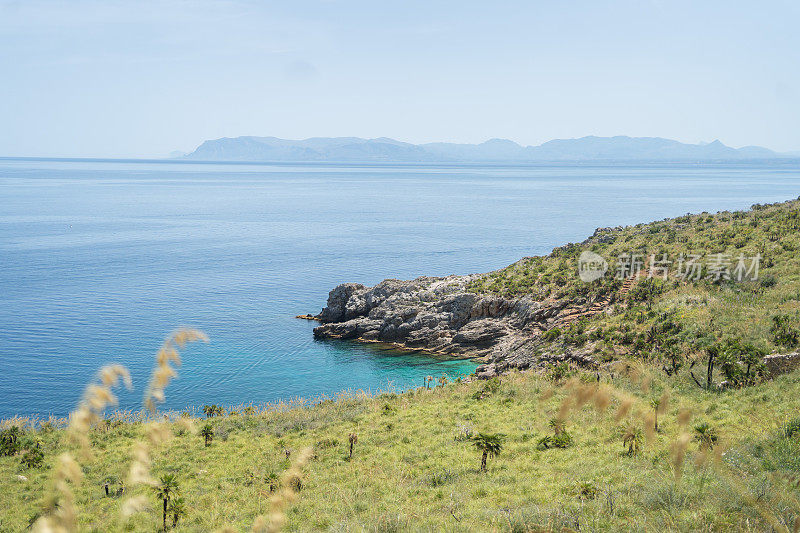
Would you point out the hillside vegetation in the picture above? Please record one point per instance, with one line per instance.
(673, 322)
(649, 442)
(414, 465)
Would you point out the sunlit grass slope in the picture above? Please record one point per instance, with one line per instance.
(415, 468)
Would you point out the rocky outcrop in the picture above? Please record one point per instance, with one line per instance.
(339, 305)
(440, 315)
(777, 364)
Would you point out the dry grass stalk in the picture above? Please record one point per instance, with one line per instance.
(684, 416)
(663, 403)
(734, 480)
(547, 394)
(584, 393)
(649, 420)
(61, 515)
(157, 432)
(564, 409)
(164, 371)
(602, 399)
(134, 505)
(625, 406)
(290, 486)
(678, 452)
(95, 399)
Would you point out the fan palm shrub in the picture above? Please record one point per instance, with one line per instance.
(353, 439)
(9, 441)
(489, 444)
(207, 432)
(213, 410)
(176, 509)
(166, 490)
(632, 438)
(655, 403)
(705, 436)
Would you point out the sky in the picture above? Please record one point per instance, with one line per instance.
(107, 78)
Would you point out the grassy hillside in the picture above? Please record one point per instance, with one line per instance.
(579, 450)
(772, 230)
(414, 467)
(671, 322)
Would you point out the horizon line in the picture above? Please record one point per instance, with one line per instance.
(183, 161)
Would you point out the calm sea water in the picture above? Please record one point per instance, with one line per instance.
(100, 260)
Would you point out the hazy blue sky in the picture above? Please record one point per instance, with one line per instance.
(141, 78)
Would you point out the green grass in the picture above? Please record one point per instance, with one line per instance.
(413, 470)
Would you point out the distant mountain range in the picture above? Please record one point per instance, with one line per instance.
(499, 150)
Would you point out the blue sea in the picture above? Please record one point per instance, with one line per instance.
(100, 260)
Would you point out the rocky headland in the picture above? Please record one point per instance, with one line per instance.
(539, 311)
(442, 316)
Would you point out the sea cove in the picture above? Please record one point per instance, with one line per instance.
(98, 256)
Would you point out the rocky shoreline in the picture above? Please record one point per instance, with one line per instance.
(537, 311)
(441, 316)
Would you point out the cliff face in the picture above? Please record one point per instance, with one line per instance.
(438, 315)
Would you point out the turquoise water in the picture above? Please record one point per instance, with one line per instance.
(100, 260)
